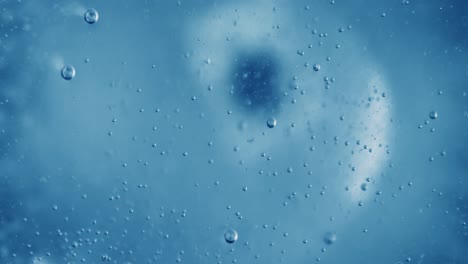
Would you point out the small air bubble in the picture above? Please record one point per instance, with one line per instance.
(329, 238)
(364, 187)
(271, 122)
(231, 236)
(68, 72)
(433, 114)
(91, 16)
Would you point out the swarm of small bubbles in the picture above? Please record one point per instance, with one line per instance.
(91, 16)
(68, 72)
(231, 236)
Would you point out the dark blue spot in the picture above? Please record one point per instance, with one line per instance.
(255, 80)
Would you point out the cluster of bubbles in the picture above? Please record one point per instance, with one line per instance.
(91, 16)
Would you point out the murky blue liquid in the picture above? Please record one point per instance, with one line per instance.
(233, 132)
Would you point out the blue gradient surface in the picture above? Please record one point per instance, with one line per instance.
(156, 148)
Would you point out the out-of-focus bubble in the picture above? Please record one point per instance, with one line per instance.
(329, 238)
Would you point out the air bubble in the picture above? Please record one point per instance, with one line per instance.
(91, 16)
(316, 67)
(433, 114)
(329, 238)
(364, 187)
(68, 72)
(231, 236)
(271, 122)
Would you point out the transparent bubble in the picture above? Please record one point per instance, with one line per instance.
(316, 67)
(91, 16)
(271, 122)
(231, 236)
(329, 238)
(68, 72)
(433, 114)
(364, 187)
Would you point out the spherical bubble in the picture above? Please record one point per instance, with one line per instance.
(364, 186)
(433, 114)
(329, 238)
(316, 67)
(231, 236)
(91, 16)
(271, 122)
(68, 72)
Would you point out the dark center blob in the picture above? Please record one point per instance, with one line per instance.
(256, 82)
